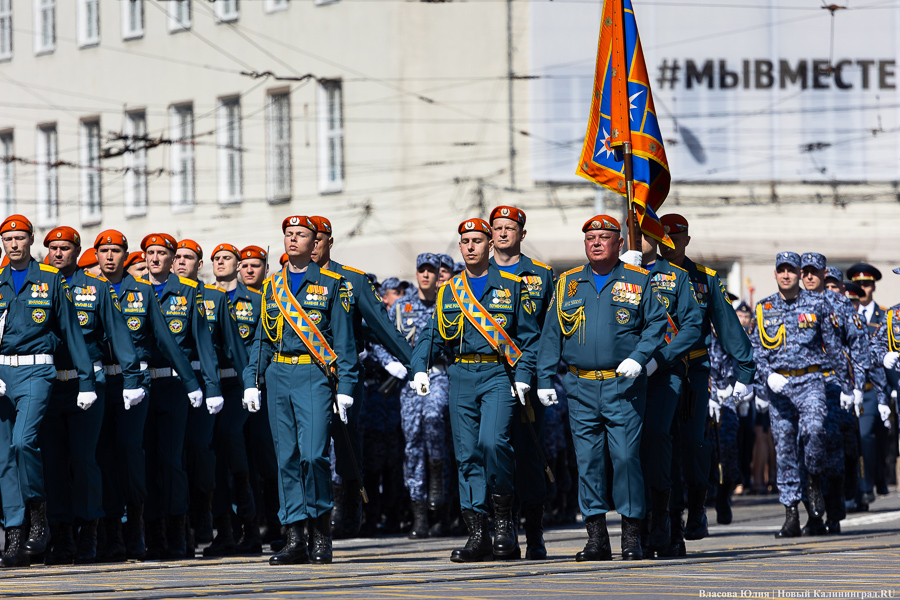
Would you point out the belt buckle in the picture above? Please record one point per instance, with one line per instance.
(14, 360)
(477, 357)
(598, 374)
(295, 360)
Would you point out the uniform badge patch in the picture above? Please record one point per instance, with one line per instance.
(572, 288)
(38, 315)
(82, 318)
(244, 330)
(623, 316)
(315, 316)
(176, 325)
(665, 300)
(133, 323)
(501, 319)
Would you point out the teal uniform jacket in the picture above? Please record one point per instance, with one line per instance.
(223, 327)
(538, 279)
(32, 329)
(246, 308)
(673, 285)
(150, 331)
(181, 303)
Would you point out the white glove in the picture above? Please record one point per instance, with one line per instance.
(762, 405)
(215, 404)
(741, 391)
(547, 397)
(251, 399)
(421, 384)
(632, 257)
(846, 401)
(86, 399)
(363, 355)
(651, 367)
(885, 411)
(2, 388)
(891, 360)
(520, 390)
(132, 397)
(629, 368)
(396, 369)
(196, 397)
(743, 406)
(857, 401)
(715, 410)
(724, 394)
(777, 382)
(344, 402)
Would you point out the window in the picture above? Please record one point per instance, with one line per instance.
(88, 22)
(136, 165)
(132, 19)
(91, 211)
(278, 148)
(181, 120)
(226, 10)
(230, 159)
(275, 5)
(47, 176)
(179, 15)
(331, 138)
(44, 26)
(7, 175)
(5, 29)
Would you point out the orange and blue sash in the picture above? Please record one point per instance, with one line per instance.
(498, 339)
(299, 321)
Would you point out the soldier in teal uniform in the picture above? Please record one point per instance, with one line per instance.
(182, 304)
(70, 431)
(508, 226)
(692, 452)
(606, 322)
(305, 332)
(120, 451)
(370, 323)
(491, 314)
(36, 315)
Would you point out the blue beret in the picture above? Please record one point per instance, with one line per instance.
(812, 259)
(427, 258)
(787, 258)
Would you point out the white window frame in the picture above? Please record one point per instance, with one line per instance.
(44, 26)
(7, 174)
(227, 10)
(177, 22)
(181, 131)
(88, 23)
(6, 39)
(136, 196)
(129, 8)
(331, 137)
(47, 177)
(279, 177)
(231, 160)
(277, 5)
(91, 180)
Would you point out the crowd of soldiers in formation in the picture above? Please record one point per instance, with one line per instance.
(151, 417)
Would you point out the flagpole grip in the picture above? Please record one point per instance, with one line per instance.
(634, 232)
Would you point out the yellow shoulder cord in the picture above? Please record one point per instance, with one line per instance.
(767, 341)
(443, 322)
(893, 345)
(267, 325)
(574, 321)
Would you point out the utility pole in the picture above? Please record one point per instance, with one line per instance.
(510, 79)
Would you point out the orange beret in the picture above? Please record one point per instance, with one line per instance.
(508, 212)
(601, 222)
(62, 234)
(673, 223)
(227, 248)
(323, 225)
(46, 260)
(253, 252)
(134, 258)
(470, 225)
(191, 245)
(298, 220)
(88, 259)
(16, 223)
(284, 259)
(111, 236)
(159, 239)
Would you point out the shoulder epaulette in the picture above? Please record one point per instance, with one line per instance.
(2, 269)
(881, 307)
(254, 290)
(213, 287)
(48, 268)
(139, 280)
(100, 277)
(704, 269)
(330, 273)
(187, 281)
(677, 267)
(540, 264)
(570, 271)
(510, 276)
(640, 270)
(352, 270)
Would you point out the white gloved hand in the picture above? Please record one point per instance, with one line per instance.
(857, 401)
(2, 388)
(396, 369)
(214, 404)
(891, 360)
(741, 391)
(344, 402)
(251, 399)
(629, 368)
(724, 394)
(421, 384)
(196, 398)
(743, 406)
(85, 400)
(651, 367)
(547, 397)
(777, 382)
(762, 405)
(715, 410)
(132, 397)
(885, 411)
(520, 390)
(363, 355)
(846, 401)
(632, 257)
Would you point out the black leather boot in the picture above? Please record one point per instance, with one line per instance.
(38, 530)
(420, 520)
(86, 552)
(61, 550)
(176, 548)
(15, 555)
(435, 484)
(676, 537)
(156, 539)
(223, 544)
(597, 547)
(534, 532)
(506, 540)
(351, 512)
(201, 517)
(337, 513)
(659, 520)
(697, 526)
(723, 503)
(251, 541)
(478, 547)
(294, 551)
(814, 525)
(816, 497)
(631, 539)
(791, 527)
(243, 495)
(135, 547)
(835, 509)
(114, 546)
(321, 542)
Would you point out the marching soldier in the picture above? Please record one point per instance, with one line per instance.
(606, 322)
(887, 353)
(37, 314)
(448, 268)
(305, 333)
(491, 313)
(136, 265)
(508, 227)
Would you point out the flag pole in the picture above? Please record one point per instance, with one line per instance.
(634, 232)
